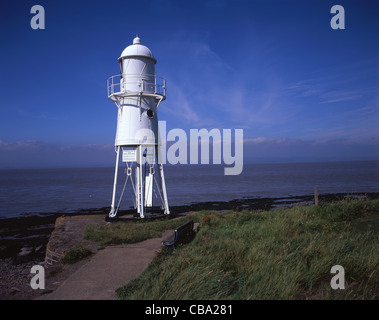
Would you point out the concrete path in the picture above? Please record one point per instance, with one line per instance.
(106, 271)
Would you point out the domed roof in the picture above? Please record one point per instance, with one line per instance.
(137, 50)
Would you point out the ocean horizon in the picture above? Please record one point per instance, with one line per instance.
(43, 190)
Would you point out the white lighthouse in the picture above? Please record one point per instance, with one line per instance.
(137, 93)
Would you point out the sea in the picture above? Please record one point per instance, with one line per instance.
(35, 191)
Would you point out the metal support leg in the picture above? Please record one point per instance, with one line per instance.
(167, 210)
(141, 196)
(112, 212)
(137, 190)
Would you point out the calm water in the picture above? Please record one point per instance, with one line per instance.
(49, 190)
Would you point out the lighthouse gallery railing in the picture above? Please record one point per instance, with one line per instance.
(136, 84)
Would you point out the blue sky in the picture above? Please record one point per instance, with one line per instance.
(275, 68)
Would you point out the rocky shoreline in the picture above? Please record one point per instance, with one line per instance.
(23, 239)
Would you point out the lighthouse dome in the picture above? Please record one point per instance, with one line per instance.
(137, 50)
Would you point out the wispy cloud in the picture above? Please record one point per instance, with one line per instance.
(342, 97)
(285, 149)
(196, 91)
(343, 83)
(265, 140)
(200, 54)
(179, 107)
(20, 145)
(325, 91)
(32, 153)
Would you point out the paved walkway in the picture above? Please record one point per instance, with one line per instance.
(106, 271)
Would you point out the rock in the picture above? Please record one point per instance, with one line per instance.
(25, 251)
(24, 255)
(15, 290)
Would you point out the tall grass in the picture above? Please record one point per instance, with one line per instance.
(130, 232)
(279, 254)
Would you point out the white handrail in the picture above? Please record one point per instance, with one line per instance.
(147, 83)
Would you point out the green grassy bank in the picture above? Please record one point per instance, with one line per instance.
(279, 254)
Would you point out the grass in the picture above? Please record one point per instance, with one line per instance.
(75, 255)
(130, 232)
(279, 254)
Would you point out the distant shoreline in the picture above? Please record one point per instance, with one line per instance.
(246, 162)
(32, 232)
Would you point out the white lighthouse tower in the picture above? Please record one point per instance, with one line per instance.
(137, 93)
